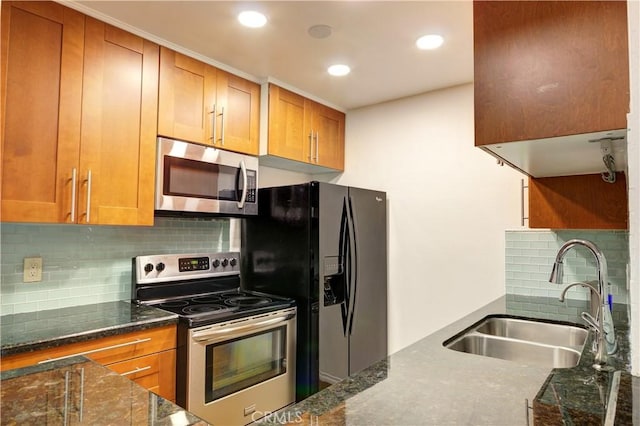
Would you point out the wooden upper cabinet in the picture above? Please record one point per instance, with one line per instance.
(200, 103)
(304, 130)
(80, 117)
(287, 127)
(238, 110)
(549, 68)
(578, 202)
(42, 60)
(328, 125)
(187, 98)
(119, 119)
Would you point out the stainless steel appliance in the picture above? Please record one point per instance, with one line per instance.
(324, 245)
(236, 348)
(200, 179)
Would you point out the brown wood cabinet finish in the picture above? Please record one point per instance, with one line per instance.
(578, 202)
(119, 119)
(154, 348)
(549, 68)
(80, 117)
(305, 131)
(187, 97)
(239, 103)
(287, 126)
(202, 104)
(42, 60)
(329, 126)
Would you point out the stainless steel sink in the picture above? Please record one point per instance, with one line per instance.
(526, 341)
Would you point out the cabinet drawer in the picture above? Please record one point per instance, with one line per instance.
(106, 350)
(154, 372)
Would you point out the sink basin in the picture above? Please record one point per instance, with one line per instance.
(547, 333)
(527, 341)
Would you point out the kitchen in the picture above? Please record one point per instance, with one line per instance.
(450, 231)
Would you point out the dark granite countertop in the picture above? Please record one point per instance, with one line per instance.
(428, 384)
(32, 331)
(72, 391)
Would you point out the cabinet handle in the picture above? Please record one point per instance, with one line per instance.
(88, 181)
(120, 345)
(136, 370)
(74, 179)
(522, 213)
(222, 126)
(81, 404)
(311, 146)
(213, 124)
(66, 398)
(317, 143)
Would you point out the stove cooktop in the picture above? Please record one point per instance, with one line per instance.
(217, 307)
(202, 288)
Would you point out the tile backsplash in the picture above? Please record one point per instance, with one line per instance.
(92, 264)
(530, 255)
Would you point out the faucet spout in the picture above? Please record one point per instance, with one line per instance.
(583, 284)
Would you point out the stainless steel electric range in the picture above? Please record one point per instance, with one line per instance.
(235, 349)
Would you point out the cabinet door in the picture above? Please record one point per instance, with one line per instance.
(119, 116)
(238, 104)
(42, 54)
(154, 372)
(288, 135)
(187, 98)
(578, 202)
(549, 68)
(328, 127)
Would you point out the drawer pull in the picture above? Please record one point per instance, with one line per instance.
(137, 370)
(93, 351)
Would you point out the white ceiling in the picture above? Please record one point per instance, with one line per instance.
(376, 38)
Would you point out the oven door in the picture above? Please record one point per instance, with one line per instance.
(242, 370)
(196, 178)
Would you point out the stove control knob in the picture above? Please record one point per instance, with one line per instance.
(225, 262)
(160, 267)
(233, 261)
(148, 268)
(216, 263)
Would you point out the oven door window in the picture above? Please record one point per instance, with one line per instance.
(199, 179)
(236, 364)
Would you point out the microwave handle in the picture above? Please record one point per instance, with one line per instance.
(245, 185)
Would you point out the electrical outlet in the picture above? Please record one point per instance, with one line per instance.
(32, 269)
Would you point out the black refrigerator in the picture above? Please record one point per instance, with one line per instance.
(326, 246)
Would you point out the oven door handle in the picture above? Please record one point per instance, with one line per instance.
(226, 332)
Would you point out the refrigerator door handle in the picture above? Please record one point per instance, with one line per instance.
(343, 253)
(353, 264)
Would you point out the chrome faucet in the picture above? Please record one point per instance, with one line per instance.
(600, 317)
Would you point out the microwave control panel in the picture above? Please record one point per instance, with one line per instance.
(251, 186)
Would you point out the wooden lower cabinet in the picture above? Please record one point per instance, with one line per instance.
(147, 357)
(156, 372)
(578, 202)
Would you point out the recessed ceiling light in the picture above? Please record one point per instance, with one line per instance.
(252, 19)
(339, 70)
(428, 42)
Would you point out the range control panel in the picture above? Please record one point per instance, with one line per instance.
(175, 267)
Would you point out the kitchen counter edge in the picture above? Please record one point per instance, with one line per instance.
(34, 331)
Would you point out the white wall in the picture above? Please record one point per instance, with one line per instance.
(633, 180)
(269, 176)
(449, 204)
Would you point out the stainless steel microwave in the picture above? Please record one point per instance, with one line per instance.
(198, 179)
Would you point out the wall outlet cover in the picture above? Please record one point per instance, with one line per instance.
(32, 269)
